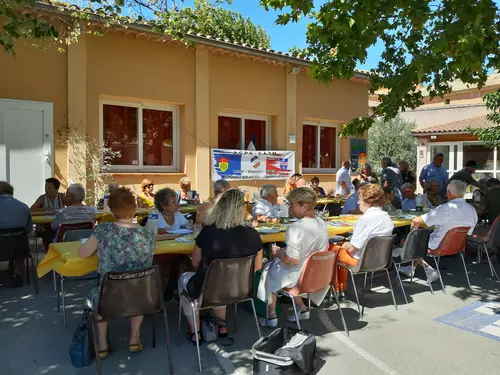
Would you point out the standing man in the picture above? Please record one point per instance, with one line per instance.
(465, 174)
(391, 177)
(435, 171)
(343, 179)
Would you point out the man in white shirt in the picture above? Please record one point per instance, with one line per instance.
(267, 210)
(343, 179)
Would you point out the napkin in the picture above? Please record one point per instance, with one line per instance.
(185, 240)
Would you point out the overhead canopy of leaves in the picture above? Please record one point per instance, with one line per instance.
(166, 17)
(429, 43)
(490, 136)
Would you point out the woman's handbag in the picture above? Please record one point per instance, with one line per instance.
(81, 352)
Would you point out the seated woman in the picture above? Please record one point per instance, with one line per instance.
(147, 197)
(307, 235)
(366, 173)
(185, 184)
(431, 190)
(170, 218)
(389, 199)
(220, 186)
(120, 246)
(374, 222)
(224, 236)
(408, 202)
(291, 183)
(317, 189)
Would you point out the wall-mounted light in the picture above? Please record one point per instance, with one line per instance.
(291, 138)
(295, 70)
(433, 137)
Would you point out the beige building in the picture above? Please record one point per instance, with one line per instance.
(163, 106)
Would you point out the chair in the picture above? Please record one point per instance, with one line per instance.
(414, 248)
(127, 295)
(491, 240)
(217, 291)
(14, 244)
(452, 243)
(375, 256)
(316, 275)
(69, 235)
(334, 292)
(63, 228)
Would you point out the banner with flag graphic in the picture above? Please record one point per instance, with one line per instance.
(252, 165)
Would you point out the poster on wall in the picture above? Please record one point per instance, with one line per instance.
(358, 154)
(252, 165)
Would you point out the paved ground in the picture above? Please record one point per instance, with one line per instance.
(410, 341)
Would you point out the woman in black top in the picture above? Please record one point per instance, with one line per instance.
(224, 236)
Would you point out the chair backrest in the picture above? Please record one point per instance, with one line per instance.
(335, 209)
(375, 255)
(493, 237)
(14, 243)
(453, 242)
(63, 228)
(228, 281)
(317, 272)
(131, 293)
(416, 245)
(77, 234)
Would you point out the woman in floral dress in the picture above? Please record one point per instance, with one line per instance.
(120, 246)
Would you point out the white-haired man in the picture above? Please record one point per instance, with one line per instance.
(456, 213)
(267, 209)
(76, 211)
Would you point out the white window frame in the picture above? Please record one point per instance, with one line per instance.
(318, 140)
(140, 106)
(243, 117)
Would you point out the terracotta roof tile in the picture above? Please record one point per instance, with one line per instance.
(458, 126)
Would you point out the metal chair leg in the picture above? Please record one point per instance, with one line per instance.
(309, 302)
(356, 294)
(235, 316)
(58, 291)
(169, 348)
(412, 272)
(193, 309)
(27, 270)
(392, 291)
(371, 281)
(35, 277)
(340, 310)
(295, 312)
(465, 268)
(95, 333)
(492, 269)
(396, 267)
(63, 301)
(180, 317)
(255, 316)
(154, 330)
(54, 278)
(439, 273)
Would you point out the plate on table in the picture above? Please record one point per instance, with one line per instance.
(180, 231)
(268, 230)
(166, 237)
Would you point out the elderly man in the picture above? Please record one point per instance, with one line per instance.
(456, 213)
(408, 197)
(343, 179)
(76, 211)
(391, 177)
(15, 214)
(435, 171)
(351, 205)
(267, 209)
(490, 202)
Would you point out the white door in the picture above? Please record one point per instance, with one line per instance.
(26, 156)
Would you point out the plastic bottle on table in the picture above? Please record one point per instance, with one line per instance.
(105, 205)
(152, 223)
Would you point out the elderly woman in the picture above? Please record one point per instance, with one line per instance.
(147, 197)
(120, 246)
(366, 172)
(170, 218)
(373, 223)
(307, 235)
(52, 199)
(408, 202)
(185, 184)
(224, 236)
(315, 186)
(432, 190)
(267, 209)
(220, 186)
(291, 183)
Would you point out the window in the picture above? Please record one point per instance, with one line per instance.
(237, 131)
(144, 135)
(319, 147)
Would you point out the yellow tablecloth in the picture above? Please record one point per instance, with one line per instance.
(63, 257)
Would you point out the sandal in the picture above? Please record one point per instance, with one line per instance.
(192, 337)
(224, 338)
(135, 348)
(103, 354)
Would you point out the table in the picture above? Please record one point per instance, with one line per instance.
(63, 258)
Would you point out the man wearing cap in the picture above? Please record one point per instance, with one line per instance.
(465, 174)
(435, 171)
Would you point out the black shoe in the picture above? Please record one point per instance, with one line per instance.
(342, 295)
(17, 281)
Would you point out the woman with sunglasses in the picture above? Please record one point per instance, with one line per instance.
(147, 196)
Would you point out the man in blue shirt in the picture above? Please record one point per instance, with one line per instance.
(435, 171)
(15, 214)
(351, 205)
(408, 197)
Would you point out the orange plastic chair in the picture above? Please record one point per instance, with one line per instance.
(491, 240)
(454, 242)
(316, 275)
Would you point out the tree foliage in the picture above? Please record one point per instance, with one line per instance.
(490, 136)
(392, 138)
(165, 17)
(428, 42)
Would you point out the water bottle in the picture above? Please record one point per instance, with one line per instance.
(152, 223)
(105, 205)
(419, 202)
(284, 219)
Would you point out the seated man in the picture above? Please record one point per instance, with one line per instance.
(351, 205)
(267, 209)
(456, 213)
(408, 191)
(490, 202)
(15, 214)
(76, 211)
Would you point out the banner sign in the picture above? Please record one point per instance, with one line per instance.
(358, 154)
(252, 165)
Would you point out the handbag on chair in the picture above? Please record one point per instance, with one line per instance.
(80, 351)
